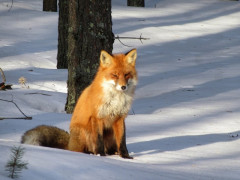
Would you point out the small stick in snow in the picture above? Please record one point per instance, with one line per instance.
(37, 93)
(3, 76)
(4, 86)
(10, 6)
(25, 116)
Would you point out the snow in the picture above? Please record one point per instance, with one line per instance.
(184, 122)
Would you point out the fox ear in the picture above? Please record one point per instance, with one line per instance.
(131, 56)
(105, 59)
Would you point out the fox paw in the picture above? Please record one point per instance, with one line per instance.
(126, 156)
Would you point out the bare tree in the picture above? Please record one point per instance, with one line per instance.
(89, 30)
(62, 35)
(50, 5)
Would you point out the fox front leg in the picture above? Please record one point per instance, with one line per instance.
(100, 146)
(120, 136)
(123, 147)
(97, 137)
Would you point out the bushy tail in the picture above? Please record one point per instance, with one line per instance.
(47, 136)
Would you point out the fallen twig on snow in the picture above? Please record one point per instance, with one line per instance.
(37, 93)
(25, 116)
(3, 76)
(4, 86)
(10, 6)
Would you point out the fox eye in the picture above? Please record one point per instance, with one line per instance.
(114, 75)
(127, 75)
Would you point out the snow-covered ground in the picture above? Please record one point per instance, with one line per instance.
(186, 120)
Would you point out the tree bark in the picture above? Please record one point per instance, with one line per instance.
(62, 62)
(89, 31)
(50, 5)
(136, 3)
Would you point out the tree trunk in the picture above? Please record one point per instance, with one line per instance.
(50, 5)
(90, 31)
(136, 3)
(62, 62)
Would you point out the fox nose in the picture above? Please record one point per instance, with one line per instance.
(123, 87)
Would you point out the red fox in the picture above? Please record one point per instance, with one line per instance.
(97, 125)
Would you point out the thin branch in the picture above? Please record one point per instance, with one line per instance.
(3, 76)
(4, 86)
(37, 93)
(25, 116)
(118, 38)
(141, 38)
(133, 111)
(124, 37)
(10, 6)
(138, 38)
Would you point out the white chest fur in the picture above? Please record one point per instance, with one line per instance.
(115, 103)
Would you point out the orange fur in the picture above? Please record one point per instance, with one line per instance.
(97, 125)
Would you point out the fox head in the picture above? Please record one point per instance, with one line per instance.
(119, 70)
